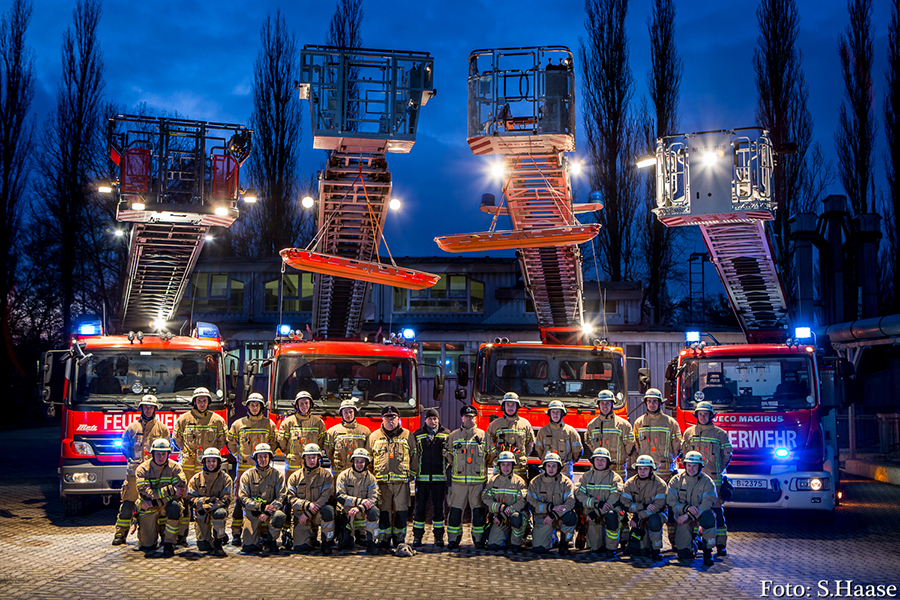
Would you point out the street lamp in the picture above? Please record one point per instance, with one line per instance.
(394, 204)
(307, 202)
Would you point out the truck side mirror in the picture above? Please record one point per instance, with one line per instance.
(643, 379)
(438, 394)
(460, 394)
(845, 368)
(669, 391)
(670, 371)
(462, 372)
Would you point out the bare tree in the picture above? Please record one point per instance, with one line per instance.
(892, 157)
(612, 134)
(345, 31)
(664, 83)
(70, 139)
(16, 143)
(275, 222)
(855, 138)
(782, 110)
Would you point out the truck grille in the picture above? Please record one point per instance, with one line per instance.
(756, 496)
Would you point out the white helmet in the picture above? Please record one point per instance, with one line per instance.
(511, 397)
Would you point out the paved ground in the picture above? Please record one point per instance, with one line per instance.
(45, 555)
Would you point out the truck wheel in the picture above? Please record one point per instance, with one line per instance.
(73, 506)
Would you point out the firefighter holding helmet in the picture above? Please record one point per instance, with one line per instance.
(244, 436)
(196, 430)
(691, 496)
(310, 492)
(599, 492)
(510, 432)
(551, 498)
(209, 493)
(644, 496)
(713, 444)
(136, 441)
(161, 486)
(262, 495)
(357, 498)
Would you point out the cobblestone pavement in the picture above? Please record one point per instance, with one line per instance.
(46, 555)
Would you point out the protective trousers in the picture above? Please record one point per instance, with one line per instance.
(367, 519)
(512, 528)
(462, 495)
(324, 518)
(250, 534)
(190, 465)
(126, 508)
(237, 513)
(602, 530)
(213, 522)
(670, 519)
(394, 503)
(721, 529)
(150, 521)
(542, 534)
(652, 528)
(684, 533)
(435, 492)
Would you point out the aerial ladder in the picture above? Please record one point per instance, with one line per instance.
(177, 179)
(363, 104)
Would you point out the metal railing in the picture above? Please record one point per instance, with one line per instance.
(875, 434)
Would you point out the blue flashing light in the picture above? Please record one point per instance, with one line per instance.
(803, 333)
(284, 330)
(117, 443)
(782, 452)
(408, 334)
(90, 328)
(691, 336)
(207, 330)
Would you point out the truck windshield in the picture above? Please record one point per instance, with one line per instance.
(114, 376)
(373, 382)
(539, 374)
(750, 384)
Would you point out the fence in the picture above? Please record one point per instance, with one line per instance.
(875, 434)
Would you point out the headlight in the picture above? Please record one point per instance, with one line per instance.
(83, 448)
(80, 477)
(813, 484)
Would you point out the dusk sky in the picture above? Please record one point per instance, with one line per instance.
(196, 58)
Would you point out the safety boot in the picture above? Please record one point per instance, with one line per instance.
(453, 545)
(287, 540)
(218, 550)
(564, 547)
(515, 548)
(235, 537)
(417, 540)
(439, 538)
(168, 550)
(655, 556)
(720, 550)
(686, 555)
(118, 539)
(302, 548)
(273, 547)
(203, 546)
(327, 545)
(181, 540)
(707, 557)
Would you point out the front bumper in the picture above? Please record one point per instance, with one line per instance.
(783, 492)
(89, 479)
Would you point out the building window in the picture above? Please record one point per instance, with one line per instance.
(451, 294)
(298, 293)
(445, 354)
(214, 292)
(592, 306)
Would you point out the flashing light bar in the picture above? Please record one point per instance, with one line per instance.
(803, 333)
(284, 330)
(408, 333)
(691, 337)
(207, 330)
(91, 328)
(782, 452)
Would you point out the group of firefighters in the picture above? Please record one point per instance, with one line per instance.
(341, 482)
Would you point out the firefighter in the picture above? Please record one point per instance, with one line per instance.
(551, 498)
(296, 431)
(558, 437)
(644, 496)
(262, 495)
(431, 482)
(610, 431)
(395, 460)
(246, 434)
(658, 435)
(690, 497)
(209, 493)
(713, 444)
(357, 497)
(466, 453)
(136, 441)
(196, 430)
(345, 437)
(599, 491)
(310, 492)
(511, 432)
(504, 499)
(161, 486)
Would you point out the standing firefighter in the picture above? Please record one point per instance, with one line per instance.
(504, 498)
(713, 444)
(691, 496)
(136, 441)
(558, 437)
(431, 482)
(244, 436)
(209, 493)
(644, 496)
(511, 433)
(195, 431)
(261, 493)
(551, 496)
(599, 491)
(610, 431)
(467, 452)
(296, 431)
(310, 492)
(345, 437)
(395, 459)
(357, 497)
(161, 486)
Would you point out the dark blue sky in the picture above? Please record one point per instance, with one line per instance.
(197, 58)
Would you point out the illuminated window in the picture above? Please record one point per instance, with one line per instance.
(213, 292)
(451, 294)
(298, 293)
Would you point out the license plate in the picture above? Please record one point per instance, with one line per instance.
(751, 483)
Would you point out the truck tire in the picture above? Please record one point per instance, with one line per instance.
(73, 506)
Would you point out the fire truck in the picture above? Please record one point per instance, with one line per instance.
(774, 395)
(521, 107)
(175, 180)
(363, 104)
